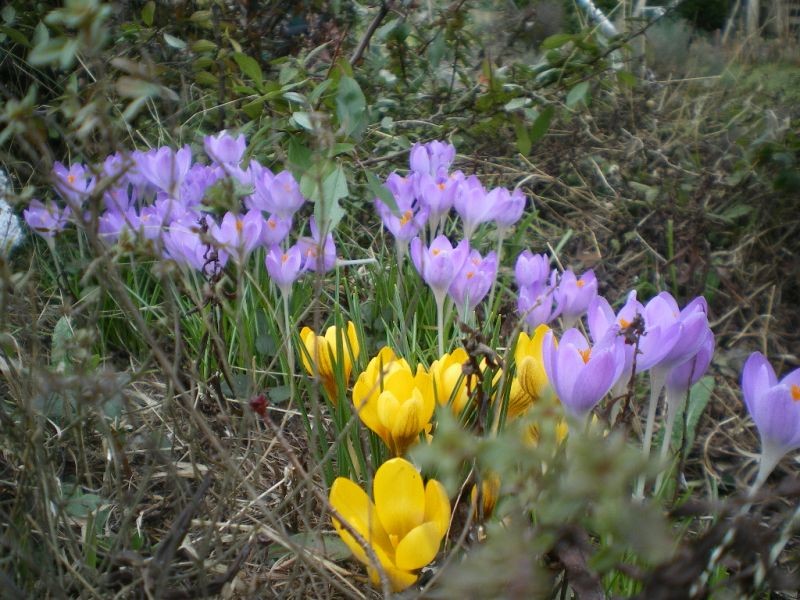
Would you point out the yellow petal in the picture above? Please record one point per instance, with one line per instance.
(419, 547)
(437, 506)
(398, 579)
(353, 504)
(407, 423)
(399, 497)
(307, 337)
(518, 400)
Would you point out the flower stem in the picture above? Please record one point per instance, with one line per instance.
(287, 332)
(440, 320)
(657, 378)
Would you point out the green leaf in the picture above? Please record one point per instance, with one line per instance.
(556, 41)
(147, 13)
(174, 42)
(523, 138)
(381, 191)
(250, 67)
(303, 120)
(254, 109)
(578, 94)
(541, 124)
(351, 106)
(15, 36)
(63, 334)
(516, 103)
(60, 51)
(627, 78)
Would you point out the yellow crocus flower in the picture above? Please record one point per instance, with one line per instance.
(393, 401)
(530, 383)
(450, 385)
(320, 356)
(404, 526)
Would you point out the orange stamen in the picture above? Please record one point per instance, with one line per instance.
(407, 216)
(585, 354)
(795, 392)
(436, 252)
(624, 323)
(284, 258)
(70, 179)
(441, 186)
(239, 226)
(580, 283)
(470, 274)
(272, 224)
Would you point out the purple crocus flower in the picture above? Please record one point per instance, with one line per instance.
(166, 168)
(535, 303)
(198, 179)
(473, 205)
(439, 264)
(601, 319)
(276, 194)
(437, 194)
(775, 409)
(581, 374)
(240, 234)
(184, 244)
(432, 158)
(46, 219)
(473, 282)
(73, 184)
(224, 149)
(275, 230)
(508, 206)
(284, 267)
(112, 223)
(574, 295)
(671, 335)
(310, 248)
(531, 269)
(411, 215)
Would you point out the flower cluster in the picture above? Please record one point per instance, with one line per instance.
(161, 195)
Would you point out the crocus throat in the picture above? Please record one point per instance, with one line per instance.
(284, 258)
(795, 392)
(239, 226)
(441, 186)
(70, 179)
(580, 283)
(272, 224)
(585, 354)
(407, 216)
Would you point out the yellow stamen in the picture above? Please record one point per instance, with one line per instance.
(624, 323)
(436, 252)
(407, 216)
(585, 354)
(239, 226)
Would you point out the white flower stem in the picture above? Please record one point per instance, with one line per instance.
(674, 401)
(657, 377)
(440, 320)
(287, 332)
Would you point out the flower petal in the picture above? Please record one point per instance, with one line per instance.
(437, 506)
(419, 547)
(353, 504)
(399, 497)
